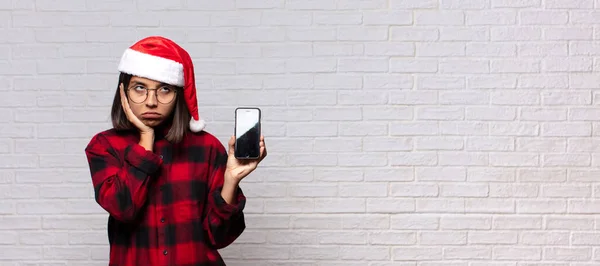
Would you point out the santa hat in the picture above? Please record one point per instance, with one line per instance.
(161, 59)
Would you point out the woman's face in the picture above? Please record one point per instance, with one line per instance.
(151, 101)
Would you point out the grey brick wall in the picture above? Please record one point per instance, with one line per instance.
(401, 132)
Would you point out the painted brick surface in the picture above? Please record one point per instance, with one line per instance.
(400, 132)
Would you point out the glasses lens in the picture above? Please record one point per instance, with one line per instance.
(137, 95)
(166, 95)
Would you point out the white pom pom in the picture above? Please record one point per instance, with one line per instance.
(197, 125)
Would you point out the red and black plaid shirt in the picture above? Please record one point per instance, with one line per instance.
(165, 207)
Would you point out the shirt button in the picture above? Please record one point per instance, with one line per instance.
(162, 220)
(161, 156)
(165, 252)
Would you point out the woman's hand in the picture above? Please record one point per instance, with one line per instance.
(238, 169)
(146, 132)
(130, 116)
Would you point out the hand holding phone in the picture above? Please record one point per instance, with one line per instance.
(247, 132)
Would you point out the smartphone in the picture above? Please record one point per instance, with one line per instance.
(247, 132)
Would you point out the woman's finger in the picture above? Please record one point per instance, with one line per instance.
(124, 101)
(231, 145)
(264, 150)
(127, 109)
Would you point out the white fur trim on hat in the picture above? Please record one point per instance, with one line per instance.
(152, 67)
(197, 125)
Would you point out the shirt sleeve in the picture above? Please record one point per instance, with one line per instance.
(120, 185)
(223, 222)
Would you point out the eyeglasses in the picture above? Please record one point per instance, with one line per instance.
(139, 94)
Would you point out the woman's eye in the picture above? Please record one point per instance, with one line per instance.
(139, 88)
(165, 90)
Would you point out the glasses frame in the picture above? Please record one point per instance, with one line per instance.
(155, 94)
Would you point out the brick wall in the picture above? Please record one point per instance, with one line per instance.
(401, 132)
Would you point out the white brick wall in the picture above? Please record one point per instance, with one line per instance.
(401, 132)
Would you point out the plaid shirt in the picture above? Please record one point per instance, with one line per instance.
(165, 207)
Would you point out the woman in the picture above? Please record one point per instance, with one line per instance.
(170, 188)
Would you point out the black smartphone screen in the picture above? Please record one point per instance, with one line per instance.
(247, 133)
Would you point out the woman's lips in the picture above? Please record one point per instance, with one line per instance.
(151, 115)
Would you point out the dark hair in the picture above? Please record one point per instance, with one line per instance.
(179, 118)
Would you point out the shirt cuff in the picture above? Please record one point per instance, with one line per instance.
(225, 209)
(142, 159)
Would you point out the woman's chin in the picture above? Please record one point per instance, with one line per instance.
(152, 122)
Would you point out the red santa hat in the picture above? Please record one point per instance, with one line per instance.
(161, 59)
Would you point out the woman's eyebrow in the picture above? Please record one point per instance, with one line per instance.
(162, 84)
(139, 83)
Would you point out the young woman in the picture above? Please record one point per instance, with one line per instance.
(170, 188)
